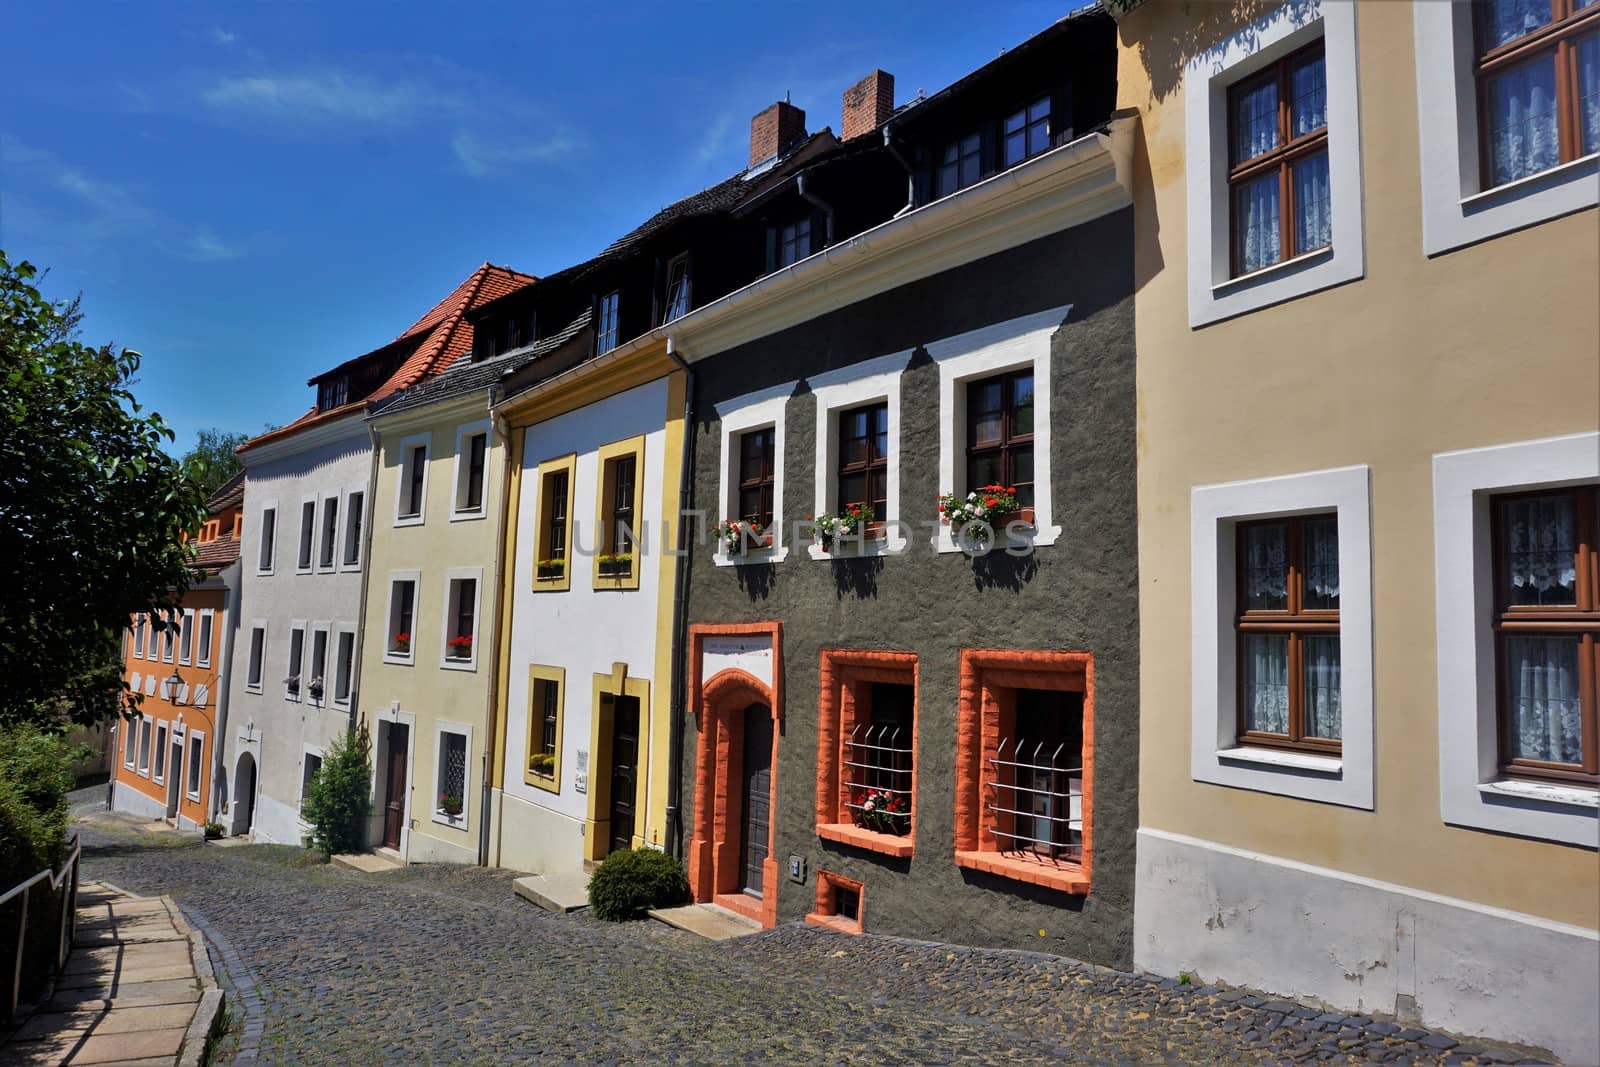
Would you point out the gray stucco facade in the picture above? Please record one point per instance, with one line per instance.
(1078, 594)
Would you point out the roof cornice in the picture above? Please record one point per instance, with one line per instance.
(448, 407)
(304, 440)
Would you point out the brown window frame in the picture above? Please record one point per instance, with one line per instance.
(1567, 23)
(874, 466)
(1290, 150)
(1294, 620)
(1582, 618)
(1010, 443)
(762, 481)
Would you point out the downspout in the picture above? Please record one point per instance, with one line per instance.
(490, 754)
(680, 608)
(235, 599)
(368, 505)
(827, 233)
(911, 174)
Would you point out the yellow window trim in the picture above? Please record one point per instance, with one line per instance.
(597, 838)
(558, 677)
(608, 455)
(541, 533)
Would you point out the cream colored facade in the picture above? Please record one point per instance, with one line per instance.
(423, 697)
(1378, 888)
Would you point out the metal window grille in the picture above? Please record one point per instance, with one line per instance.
(1038, 805)
(453, 772)
(551, 710)
(878, 776)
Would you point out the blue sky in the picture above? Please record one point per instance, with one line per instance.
(249, 193)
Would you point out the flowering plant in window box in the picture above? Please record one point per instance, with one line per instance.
(402, 643)
(292, 684)
(616, 565)
(854, 519)
(550, 568)
(450, 805)
(543, 764)
(993, 506)
(736, 534)
(460, 646)
(882, 811)
(315, 688)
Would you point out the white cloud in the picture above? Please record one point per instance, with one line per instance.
(222, 36)
(714, 139)
(204, 246)
(328, 96)
(482, 158)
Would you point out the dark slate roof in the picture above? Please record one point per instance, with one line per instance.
(468, 377)
(230, 494)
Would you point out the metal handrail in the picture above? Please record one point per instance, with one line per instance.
(68, 875)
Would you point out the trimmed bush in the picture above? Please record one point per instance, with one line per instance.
(630, 882)
(337, 800)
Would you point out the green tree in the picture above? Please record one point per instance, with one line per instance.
(337, 801)
(213, 460)
(93, 511)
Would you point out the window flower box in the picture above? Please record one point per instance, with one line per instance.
(619, 565)
(988, 509)
(450, 806)
(400, 644)
(855, 522)
(741, 535)
(543, 764)
(460, 647)
(881, 811)
(550, 569)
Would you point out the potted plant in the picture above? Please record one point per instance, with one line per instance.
(402, 643)
(292, 684)
(213, 831)
(315, 688)
(543, 764)
(853, 520)
(550, 569)
(882, 811)
(995, 507)
(738, 535)
(460, 646)
(450, 805)
(616, 564)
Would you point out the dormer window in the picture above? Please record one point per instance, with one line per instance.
(1026, 132)
(513, 334)
(677, 301)
(788, 243)
(483, 343)
(606, 332)
(333, 393)
(960, 164)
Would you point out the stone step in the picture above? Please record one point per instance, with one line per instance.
(367, 862)
(709, 921)
(555, 892)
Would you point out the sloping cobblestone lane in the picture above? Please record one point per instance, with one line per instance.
(442, 965)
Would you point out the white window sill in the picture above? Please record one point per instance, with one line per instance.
(1513, 189)
(1287, 266)
(303, 570)
(256, 689)
(192, 796)
(1043, 536)
(399, 659)
(468, 516)
(350, 565)
(860, 550)
(755, 557)
(1576, 796)
(342, 701)
(408, 520)
(458, 665)
(264, 574)
(1273, 757)
(293, 698)
(453, 821)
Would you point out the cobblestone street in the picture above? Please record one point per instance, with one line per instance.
(444, 965)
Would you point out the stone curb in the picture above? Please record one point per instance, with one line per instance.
(203, 1027)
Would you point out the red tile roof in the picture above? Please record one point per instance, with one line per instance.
(432, 343)
(212, 556)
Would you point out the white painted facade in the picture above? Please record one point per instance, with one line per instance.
(582, 631)
(267, 726)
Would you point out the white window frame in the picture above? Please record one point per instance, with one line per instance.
(408, 657)
(297, 641)
(300, 537)
(338, 631)
(130, 744)
(465, 730)
(1472, 791)
(186, 634)
(158, 753)
(760, 410)
(980, 354)
(193, 763)
(407, 446)
(306, 752)
(866, 382)
(140, 628)
(260, 682)
(146, 730)
(1456, 209)
(324, 500)
(1213, 293)
(270, 506)
(458, 485)
(152, 640)
(1215, 754)
(206, 620)
(350, 512)
(451, 576)
(326, 630)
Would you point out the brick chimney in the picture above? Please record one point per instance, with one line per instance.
(775, 129)
(867, 105)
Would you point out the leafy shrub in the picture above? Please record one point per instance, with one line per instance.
(337, 800)
(213, 830)
(630, 882)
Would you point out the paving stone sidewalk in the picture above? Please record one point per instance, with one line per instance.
(137, 990)
(445, 965)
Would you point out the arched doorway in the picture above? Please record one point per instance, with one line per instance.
(731, 855)
(755, 816)
(244, 792)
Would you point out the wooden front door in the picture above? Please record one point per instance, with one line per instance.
(394, 790)
(624, 770)
(756, 809)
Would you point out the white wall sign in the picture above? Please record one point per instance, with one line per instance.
(751, 654)
(581, 768)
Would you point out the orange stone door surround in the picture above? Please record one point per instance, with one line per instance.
(719, 703)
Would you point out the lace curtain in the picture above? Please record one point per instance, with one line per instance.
(1266, 564)
(1522, 120)
(1506, 20)
(1322, 564)
(1543, 701)
(1309, 97)
(1313, 221)
(1255, 121)
(1589, 92)
(1540, 556)
(1322, 704)
(1266, 667)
